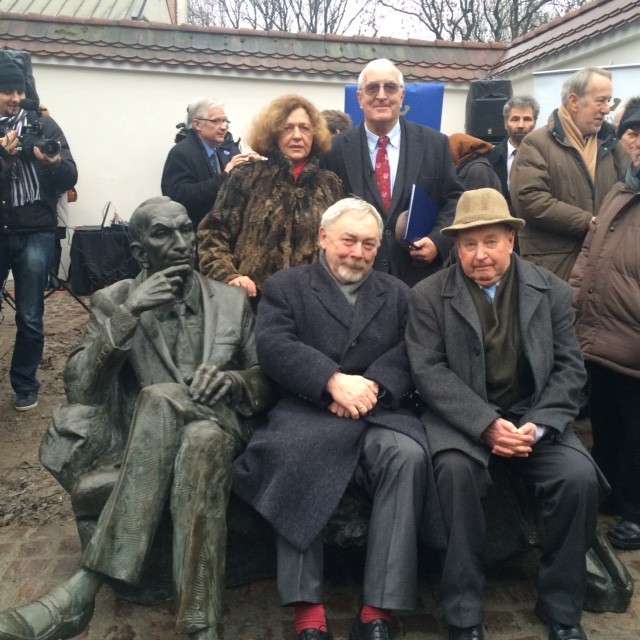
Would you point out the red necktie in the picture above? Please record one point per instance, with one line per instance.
(383, 172)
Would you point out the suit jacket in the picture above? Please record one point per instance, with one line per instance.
(188, 177)
(425, 159)
(119, 356)
(444, 341)
(297, 468)
(498, 160)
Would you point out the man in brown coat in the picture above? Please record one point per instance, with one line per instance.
(563, 171)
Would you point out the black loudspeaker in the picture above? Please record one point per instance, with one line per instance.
(485, 101)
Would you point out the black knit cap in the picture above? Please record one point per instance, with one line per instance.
(630, 120)
(11, 77)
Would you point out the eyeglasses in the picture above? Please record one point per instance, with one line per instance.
(216, 122)
(289, 129)
(390, 88)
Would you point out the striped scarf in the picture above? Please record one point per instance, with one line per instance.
(24, 183)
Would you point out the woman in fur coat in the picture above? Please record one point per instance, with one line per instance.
(267, 214)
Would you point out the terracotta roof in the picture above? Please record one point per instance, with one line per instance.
(593, 19)
(242, 50)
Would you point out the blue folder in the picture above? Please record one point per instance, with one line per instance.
(423, 211)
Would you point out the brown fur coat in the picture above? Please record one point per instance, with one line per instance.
(263, 221)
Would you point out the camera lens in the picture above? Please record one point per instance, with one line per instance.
(51, 147)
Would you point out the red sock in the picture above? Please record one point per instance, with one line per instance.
(369, 614)
(310, 616)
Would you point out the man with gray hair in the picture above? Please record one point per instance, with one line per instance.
(520, 117)
(380, 161)
(563, 171)
(197, 166)
(331, 335)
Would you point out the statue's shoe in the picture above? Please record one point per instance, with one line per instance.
(204, 634)
(55, 616)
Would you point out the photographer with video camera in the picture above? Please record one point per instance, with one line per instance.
(36, 167)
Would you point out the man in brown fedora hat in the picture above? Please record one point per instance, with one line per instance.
(494, 354)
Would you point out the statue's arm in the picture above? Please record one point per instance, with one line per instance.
(92, 368)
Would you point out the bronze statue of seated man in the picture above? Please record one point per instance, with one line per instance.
(168, 366)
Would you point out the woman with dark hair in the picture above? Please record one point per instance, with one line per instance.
(267, 214)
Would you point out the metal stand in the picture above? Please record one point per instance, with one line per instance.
(61, 284)
(54, 279)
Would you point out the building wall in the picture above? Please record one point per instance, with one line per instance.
(120, 122)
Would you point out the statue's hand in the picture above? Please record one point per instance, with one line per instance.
(158, 289)
(209, 384)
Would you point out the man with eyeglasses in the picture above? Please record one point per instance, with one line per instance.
(563, 171)
(197, 166)
(381, 160)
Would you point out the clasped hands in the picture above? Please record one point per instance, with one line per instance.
(507, 440)
(353, 396)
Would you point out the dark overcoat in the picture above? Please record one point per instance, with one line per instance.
(189, 178)
(444, 341)
(297, 468)
(498, 160)
(425, 159)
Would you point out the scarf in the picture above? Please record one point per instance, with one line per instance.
(23, 178)
(588, 150)
(632, 177)
(349, 289)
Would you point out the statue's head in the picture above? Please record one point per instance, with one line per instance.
(162, 235)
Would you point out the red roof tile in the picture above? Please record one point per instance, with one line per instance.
(242, 50)
(593, 19)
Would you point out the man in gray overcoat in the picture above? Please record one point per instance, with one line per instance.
(171, 356)
(331, 335)
(494, 354)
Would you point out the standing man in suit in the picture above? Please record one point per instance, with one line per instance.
(380, 160)
(495, 357)
(520, 117)
(197, 166)
(331, 335)
(171, 356)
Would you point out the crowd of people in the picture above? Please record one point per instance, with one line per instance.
(340, 357)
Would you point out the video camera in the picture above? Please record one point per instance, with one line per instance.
(31, 134)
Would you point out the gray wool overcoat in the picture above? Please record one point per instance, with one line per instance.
(444, 341)
(296, 468)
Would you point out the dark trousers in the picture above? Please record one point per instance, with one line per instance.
(565, 481)
(614, 409)
(392, 469)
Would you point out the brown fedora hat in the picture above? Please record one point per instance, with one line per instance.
(479, 208)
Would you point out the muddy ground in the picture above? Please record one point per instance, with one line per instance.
(29, 495)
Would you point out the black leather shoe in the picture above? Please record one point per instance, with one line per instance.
(378, 629)
(559, 631)
(466, 633)
(565, 632)
(625, 535)
(315, 634)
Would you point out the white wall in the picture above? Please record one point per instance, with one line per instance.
(120, 122)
